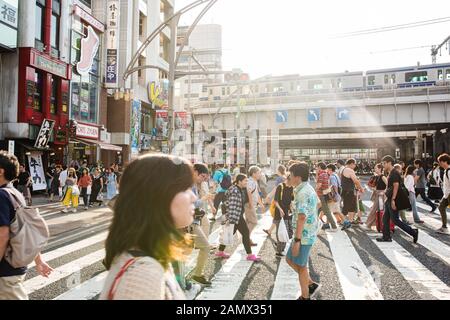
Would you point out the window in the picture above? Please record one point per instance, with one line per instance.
(386, 79)
(393, 78)
(39, 22)
(315, 84)
(54, 38)
(256, 88)
(440, 74)
(447, 74)
(228, 90)
(204, 89)
(53, 99)
(292, 86)
(223, 91)
(210, 92)
(339, 81)
(371, 80)
(419, 76)
(39, 80)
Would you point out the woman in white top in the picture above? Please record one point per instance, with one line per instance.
(409, 184)
(144, 238)
(435, 188)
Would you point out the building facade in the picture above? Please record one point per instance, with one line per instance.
(62, 64)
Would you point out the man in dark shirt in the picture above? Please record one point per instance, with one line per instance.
(11, 279)
(391, 212)
(24, 183)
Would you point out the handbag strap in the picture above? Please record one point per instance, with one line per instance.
(113, 289)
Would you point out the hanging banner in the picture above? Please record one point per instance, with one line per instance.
(181, 120)
(135, 128)
(158, 94)
(37, 171)
(162, 125)
(44, 134)
(112, 43)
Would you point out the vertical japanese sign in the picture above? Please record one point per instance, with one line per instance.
(112, 44)
(135, 128)
(8, 14)
(37, 171)
(44, 134)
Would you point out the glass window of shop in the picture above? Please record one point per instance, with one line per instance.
(38, 80)
(85, 87)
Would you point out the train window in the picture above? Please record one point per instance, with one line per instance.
(223, 91)
(416, 76)
(210, 92)
(440, 74)
(393, 78)
(204, 89)
(315, 84)
(386, 79)
(371, 80)
(228, 90)
(447, 74)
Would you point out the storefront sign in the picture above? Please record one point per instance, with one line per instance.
(41, 62)
(87, 131)
(89, 48)
(158, 94)
(135, 127)
(8, 14)
(44, 134)
(89, 19)
(162, 125)
(112, 44)
(37, 171)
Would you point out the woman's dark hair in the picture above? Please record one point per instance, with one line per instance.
(418, 162)
(142, 217)
(332, 167)
(10, 164)
(301, 170)
(409, 170)
(350, 161)
(85, 170)
(240, 177)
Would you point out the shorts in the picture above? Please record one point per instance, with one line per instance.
(335, 207)
(350, 202)
(303, 256)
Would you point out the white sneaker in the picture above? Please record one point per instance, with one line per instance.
(443, 231)
(74, 210)
(65, 210)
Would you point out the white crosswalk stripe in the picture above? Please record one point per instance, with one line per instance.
(355, 277)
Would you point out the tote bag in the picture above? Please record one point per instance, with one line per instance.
(282, 234)
(227, 234)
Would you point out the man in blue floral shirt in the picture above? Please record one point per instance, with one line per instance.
(306, 225)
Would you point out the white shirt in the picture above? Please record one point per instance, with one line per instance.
(252, 187)
(446, 184)
(63, 177)
(409, 183)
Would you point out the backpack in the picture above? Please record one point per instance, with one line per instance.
(28, 233)
(226, 181)
(333, 192)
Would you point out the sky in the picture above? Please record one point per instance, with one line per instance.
(280, 37)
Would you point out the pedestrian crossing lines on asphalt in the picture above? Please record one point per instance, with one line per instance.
(355, 278)
(227, 281)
